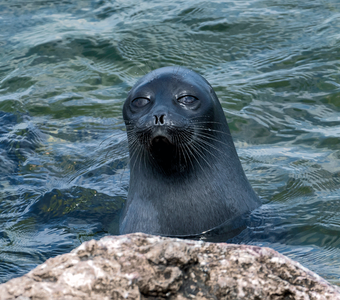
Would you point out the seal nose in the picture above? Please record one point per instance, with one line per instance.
(159, 119)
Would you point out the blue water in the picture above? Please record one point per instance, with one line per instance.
(66, 68)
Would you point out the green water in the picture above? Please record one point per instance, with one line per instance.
(66, 68)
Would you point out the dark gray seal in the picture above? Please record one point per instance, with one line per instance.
(185, 174)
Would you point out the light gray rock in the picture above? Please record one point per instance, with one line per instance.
(140, 266)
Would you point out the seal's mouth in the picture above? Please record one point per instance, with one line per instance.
(160, 141)
(161, 148)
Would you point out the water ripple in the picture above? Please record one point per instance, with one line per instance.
(66, 68)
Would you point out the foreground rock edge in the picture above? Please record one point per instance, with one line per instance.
(141, 266)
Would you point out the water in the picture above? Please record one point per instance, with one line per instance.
(66, 68)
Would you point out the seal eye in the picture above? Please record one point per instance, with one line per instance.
(187, 99)
(140, 102)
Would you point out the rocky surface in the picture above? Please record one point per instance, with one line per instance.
(140, 266)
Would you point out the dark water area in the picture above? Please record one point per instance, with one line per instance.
(66, 68)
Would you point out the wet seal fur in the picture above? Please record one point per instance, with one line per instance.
(185, 174)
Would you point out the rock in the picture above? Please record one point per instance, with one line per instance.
(140, 266)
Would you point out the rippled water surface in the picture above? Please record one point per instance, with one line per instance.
(66, 68)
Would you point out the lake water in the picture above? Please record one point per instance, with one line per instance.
(66, 68)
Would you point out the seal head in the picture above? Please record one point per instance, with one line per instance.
(185, 175)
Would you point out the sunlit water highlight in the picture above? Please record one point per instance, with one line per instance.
(66, 68)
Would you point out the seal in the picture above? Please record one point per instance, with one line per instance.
(185, 174)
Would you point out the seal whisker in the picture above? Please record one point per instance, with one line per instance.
(178, 152)
(105, 139)
(185, 150)
(145, 141)
(212, 130)
(205, 122)
(194, 121)
(193, 154)
(133, 150)
(201, 144)
(139, 153)
(136, 149)
(206, 136)
(184, 147)
(192, 145)
(140, 160)
(198, 151)
(204, 119)
(132, 139)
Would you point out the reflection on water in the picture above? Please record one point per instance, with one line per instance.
(65, 70)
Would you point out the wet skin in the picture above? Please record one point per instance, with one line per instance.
(185, 175)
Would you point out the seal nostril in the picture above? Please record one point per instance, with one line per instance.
(161, 119)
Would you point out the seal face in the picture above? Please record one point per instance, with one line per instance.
(185, 175)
